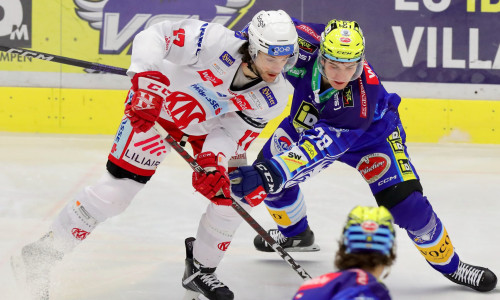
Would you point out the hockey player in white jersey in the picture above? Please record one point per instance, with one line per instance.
(206, 85)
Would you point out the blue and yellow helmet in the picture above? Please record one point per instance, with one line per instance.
(369, 229)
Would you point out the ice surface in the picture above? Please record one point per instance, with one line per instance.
(139, 254)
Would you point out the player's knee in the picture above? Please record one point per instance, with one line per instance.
(109, 197)
(410, 208)
(120, 173)
(395, 194)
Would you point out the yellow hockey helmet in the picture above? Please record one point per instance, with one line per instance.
(342, 41)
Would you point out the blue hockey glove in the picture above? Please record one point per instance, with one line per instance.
(253, 183)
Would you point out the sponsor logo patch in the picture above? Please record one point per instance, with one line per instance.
(305, 118)
(439, 252)
(269, 96)
(369, 226)
(297, 72)
(280, 50)
(240, 102)
(227, 59)
(306, 46)
(207, 75)
(293, 159)
(309, 149)
(309, 31)
(402, 160)
(280, 217)
(371, 77)
(373, 166)
(363, 113)
(79, 234)
(223, 246)
(347, 100)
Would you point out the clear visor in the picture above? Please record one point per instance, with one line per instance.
(323, 59)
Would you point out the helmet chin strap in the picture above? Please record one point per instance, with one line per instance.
(251, 67)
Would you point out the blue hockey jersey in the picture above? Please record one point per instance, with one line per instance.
(331, 122)
(345, 285)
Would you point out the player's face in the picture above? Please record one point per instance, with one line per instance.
(339, 73)
(269, 67)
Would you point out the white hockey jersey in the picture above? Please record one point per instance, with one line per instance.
(201, 59)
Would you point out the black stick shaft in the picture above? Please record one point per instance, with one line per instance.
(64, 60)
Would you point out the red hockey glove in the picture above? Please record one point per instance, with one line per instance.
(150, 91)
(214, 184)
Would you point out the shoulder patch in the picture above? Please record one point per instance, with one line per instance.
(306, 46)
(371, 77)
(309, 31)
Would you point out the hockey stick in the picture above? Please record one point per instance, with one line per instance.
(188, 158)
(240, 210)
(64, 60)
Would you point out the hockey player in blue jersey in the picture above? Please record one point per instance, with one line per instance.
(341, 112)
(365, 250)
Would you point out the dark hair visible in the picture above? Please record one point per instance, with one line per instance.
(246, 58)
(364, 260)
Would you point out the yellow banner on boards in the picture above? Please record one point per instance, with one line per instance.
(52, 27)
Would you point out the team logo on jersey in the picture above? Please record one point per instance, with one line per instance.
(373, 166)
(305, 118)
(120, 20)
(347, 98)
(281, 141)
(207, 75)
(269, 96)
(185, 109)
(306, 46)
(15, 26)
(227, 59)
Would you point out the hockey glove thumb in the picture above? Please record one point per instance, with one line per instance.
(149, 92)
(253, 183)
(214, 183)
